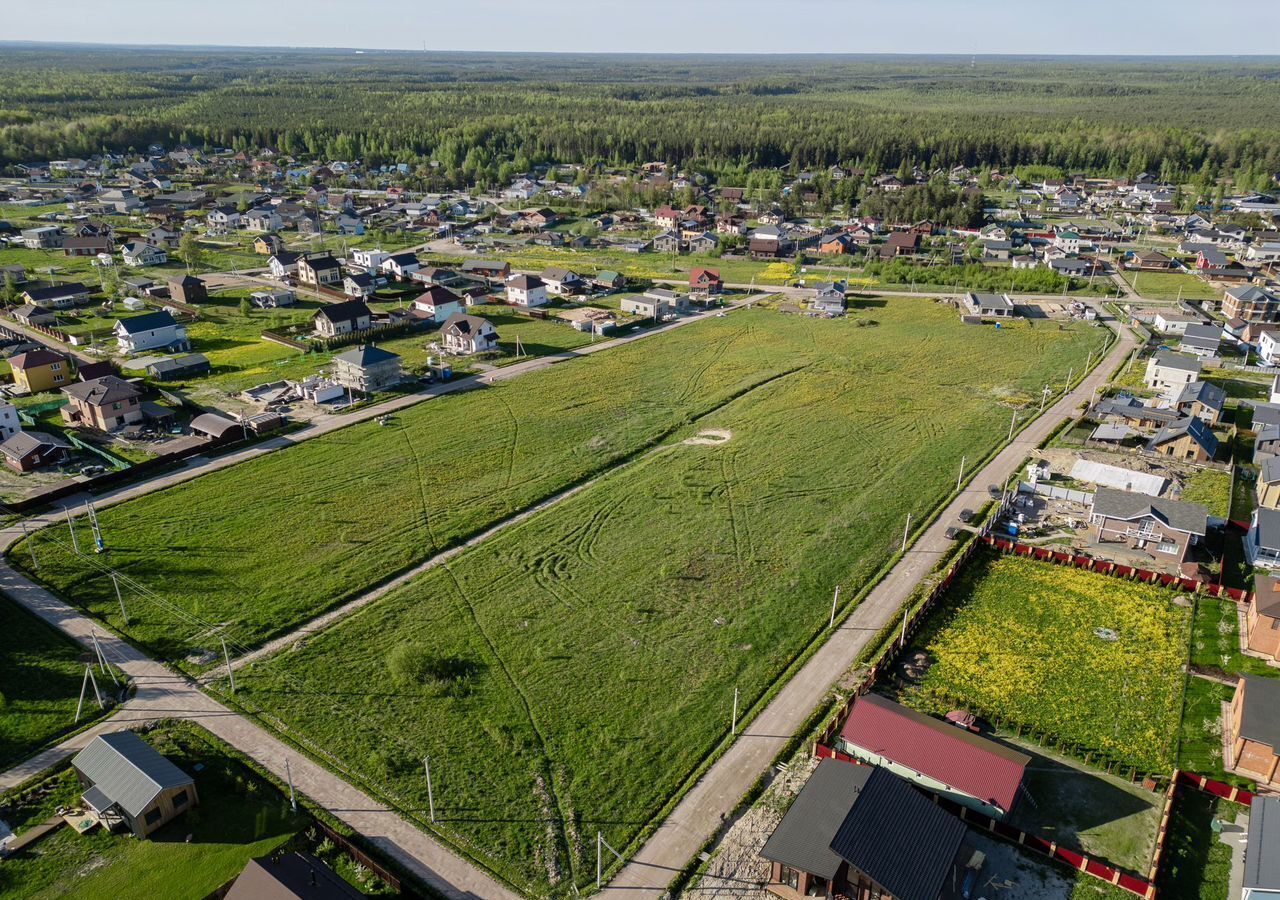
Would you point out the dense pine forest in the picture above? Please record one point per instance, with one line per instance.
(482, 117)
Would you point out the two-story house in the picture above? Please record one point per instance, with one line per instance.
(107, 403)
(342, 318)
(1164, 528)
(150, 331)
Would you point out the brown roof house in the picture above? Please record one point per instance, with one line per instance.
(107, 403)
(1165, 529)
(291, 876)
(27, 451)
(861, 831)
(1254, 728)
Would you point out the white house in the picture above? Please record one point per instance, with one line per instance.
(1266, 252)
(136, 253)
(1269, 347)
(151, 331)
(468, 334)
(438, 303)
(1172, 323)
(369, 260)
(10, 424)
(359, 284)
(1170, 373)
(284, 264)
(400, 265)
(526, 290)
(262, 220)
(1201, 340)
(561, 282)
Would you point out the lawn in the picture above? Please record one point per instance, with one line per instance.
(40, 684)
(240, 816)
(1052, 650)
(1197, 864)
(592, 650)
(1169, 285)
(1211, 488)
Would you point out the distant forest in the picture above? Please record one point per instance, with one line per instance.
(483, 117)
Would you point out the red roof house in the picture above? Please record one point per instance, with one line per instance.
(940, 757)
(708, 280)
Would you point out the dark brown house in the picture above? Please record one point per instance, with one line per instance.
(188, 289)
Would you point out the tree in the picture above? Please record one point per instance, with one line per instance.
(9, 293)
(190, 251)
(246, 308)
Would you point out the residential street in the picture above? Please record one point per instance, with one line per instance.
(701, 812)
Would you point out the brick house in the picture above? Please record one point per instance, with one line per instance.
(1141, 522)
(1254, 728)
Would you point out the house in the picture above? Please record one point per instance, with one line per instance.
(10, 424)
(900, 243)
(655, 308)
(988, 306)
(1134, 412)
(839, 242)
(463, 333)
(668, 242)
(274, 298)
(829, 301)
(705, 281)
(40, 370)
(562, 282)
(369, 259)
(934, 754)
(292, 876)
(526, 290)
(319, 269)
(1253, 729)
(1203, 400)
(1262, 542)
(1189, 439)
(667, 218)
(107, 403)
(997, 250)
(1265, 414)
(437, 303)
(704, 242)
(609, 281)
(267, 244)
(486, 268)
(862, 832)
(342, 318)
(1170, 373)
(1262, 851)
(283, 264)
(125, 779)
(150, 331)
(1201, 340)
(400, 265)
(1251, 303)
(88, 245)
(1151, 260)
(1266, 442)
(1262, 617)
(223, 218)
(46, 237)
(57, 296)
(359, 284)
(263, 220)
(34, 315)
(25, 451)
(189, 365)
(1172, 323)
(189, 289)
(367, 369)
(1143, 522)
(136, 253)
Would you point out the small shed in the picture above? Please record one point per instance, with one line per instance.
(215, 426)
(126, 780)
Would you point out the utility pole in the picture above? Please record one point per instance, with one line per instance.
(88, 680)
(31, 545)
(288, 774)
(960, 477)
(1044, 395)
(902, 641)
(119, 597)
(1012, 422)
(71, 526)
(906, 531)
(102, 658)
(227, 658)
(733, 727)
(834, 600)
(431, 798)
(1066, 387)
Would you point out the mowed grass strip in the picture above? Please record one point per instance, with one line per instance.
(1094, 661)
(575, 669)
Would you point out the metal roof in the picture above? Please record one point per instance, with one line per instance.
(1260, 717)
(803, 838)
(899, 838)
(1192, 426)
(1262, 851)
(1265, 530)
(1115, 477)
(971, 764)
(1174, 361)
(127, 770)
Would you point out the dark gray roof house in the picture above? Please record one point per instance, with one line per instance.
(803, 839)
(1203, 339)
(1206, 393)
(1266, 414)
(1260, 716)
(293, 876)
(1262, 850)
(125, 776)
(1192, 426)
(1129, 505)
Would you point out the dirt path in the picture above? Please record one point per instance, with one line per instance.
(699, 815)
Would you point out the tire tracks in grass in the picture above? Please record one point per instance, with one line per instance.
(548, 767)
(422, 490)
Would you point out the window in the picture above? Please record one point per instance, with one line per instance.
(791, 878)
(1167, 547)
(180, 798)
(152, 817)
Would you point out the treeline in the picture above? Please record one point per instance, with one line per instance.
(973, 276)
(938, 202)
(478, 120)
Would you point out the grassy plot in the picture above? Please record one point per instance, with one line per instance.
(239, 816)
(39, 684)
(1052, 649)
(1169, 285)
(592, 651)
(1212, 488)
(1197, 864)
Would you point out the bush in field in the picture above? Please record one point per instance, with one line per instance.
(414, 664)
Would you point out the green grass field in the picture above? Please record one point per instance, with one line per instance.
(239, 816)
(1169, 285)
(571, 672)
(39, 684)
(1018, 638)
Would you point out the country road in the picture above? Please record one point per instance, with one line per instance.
(701, 813)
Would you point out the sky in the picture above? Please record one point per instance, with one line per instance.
(1176, 27)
